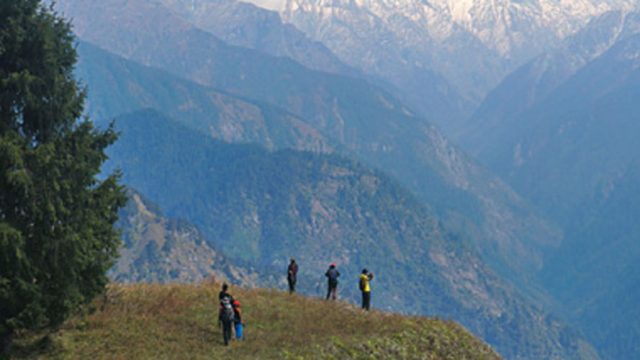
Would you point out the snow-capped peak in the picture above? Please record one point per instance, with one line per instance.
(506, 26)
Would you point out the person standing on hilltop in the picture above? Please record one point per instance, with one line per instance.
(332, 276)
(365, 288)
(292, 275)
(224, 292)
(226, 313)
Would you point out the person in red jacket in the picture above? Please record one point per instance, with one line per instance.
(239, 326)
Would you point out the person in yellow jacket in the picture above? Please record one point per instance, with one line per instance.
(365, 288)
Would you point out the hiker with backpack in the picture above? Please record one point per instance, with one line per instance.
(292, 276)
(332, 276)
(365, 288)
(226, 313)
(224, 292)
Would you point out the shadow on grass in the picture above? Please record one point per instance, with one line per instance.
(30, 347)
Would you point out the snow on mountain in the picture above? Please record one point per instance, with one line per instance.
(537, 79)
(274, 5)
(507, 26)
(386, 40)
(472, 43)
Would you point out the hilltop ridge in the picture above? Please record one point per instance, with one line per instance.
(178, 321)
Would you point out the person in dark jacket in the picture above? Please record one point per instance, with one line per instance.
(292, 275)
(332, 276)
(224, 292)
(226, 313)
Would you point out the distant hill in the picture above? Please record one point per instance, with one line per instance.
(180, 321)
(264, 207)
(157, 249)
(243, 24)
(119, 86)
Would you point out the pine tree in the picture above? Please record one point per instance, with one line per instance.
(57, 238)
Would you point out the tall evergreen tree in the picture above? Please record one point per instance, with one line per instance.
(57, 238)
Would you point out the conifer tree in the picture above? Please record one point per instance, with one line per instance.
(57, 238)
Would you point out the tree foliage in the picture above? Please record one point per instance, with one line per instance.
(56, 218)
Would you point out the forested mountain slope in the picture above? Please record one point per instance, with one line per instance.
(159, 249)
(265, 207)
(379, 131)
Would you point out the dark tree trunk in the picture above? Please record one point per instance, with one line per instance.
(5, 343)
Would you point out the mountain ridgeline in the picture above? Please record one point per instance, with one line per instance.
(246, 25)
(120, 86)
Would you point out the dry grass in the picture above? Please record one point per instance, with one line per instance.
(180, 322)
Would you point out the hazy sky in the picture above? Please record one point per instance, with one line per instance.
(269, 4)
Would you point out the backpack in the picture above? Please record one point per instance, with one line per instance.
(227, 309)
(333, 274)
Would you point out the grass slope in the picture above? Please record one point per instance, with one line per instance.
(179, 321)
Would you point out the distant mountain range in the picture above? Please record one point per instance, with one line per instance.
(562, 130)
(466, 47)
(382, 133)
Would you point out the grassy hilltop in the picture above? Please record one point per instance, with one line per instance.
(179, 322)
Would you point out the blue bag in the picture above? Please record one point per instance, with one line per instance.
(239, 330)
